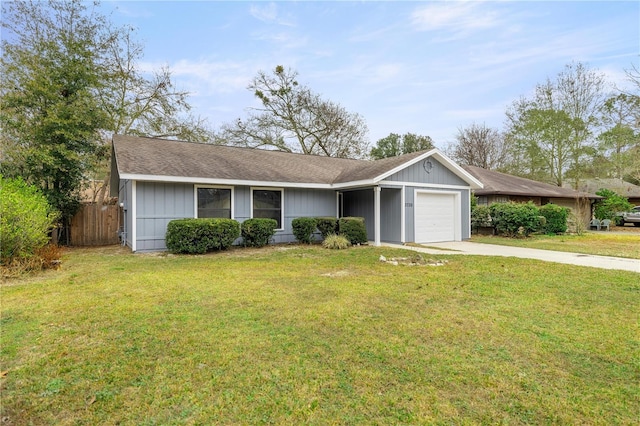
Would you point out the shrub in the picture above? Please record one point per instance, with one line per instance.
(353, 229)
(555, 218)
(335, 242)
(257, 232)
(611, 204)
(46, 257)
(327, 226)
(197, 236)
(480, 217)
(514, 219)
(303, 229)
(26, 218)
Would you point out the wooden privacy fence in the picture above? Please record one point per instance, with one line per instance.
(95, 225)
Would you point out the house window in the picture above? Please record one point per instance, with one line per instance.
(214, 202)
(267, 203)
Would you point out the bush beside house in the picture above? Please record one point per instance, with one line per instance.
(520, 219)
(303, 229)
(555, 218)
(257, 232)
(327, 226)
(197, 236)
(354, 229)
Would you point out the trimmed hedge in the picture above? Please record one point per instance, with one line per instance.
(303, 229)
(197, 236)
(515, 219)
(327, 226)
(480, 217)
(257, 232)
(354, 229)
(556, 218)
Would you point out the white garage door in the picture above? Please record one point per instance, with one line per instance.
(436, 215)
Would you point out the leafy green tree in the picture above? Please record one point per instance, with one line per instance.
(395, 144)
(611, 204)
(292, 118)
(51, 118)
(548, 135)
(70, 80)
(567, 109)
(620, 138)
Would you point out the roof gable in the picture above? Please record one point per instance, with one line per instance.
(161, 159)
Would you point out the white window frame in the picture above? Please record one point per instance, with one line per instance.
(195, 198)
(267, 188)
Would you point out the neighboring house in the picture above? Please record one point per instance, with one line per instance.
(419, 197)
(502, 188)
(619, 186)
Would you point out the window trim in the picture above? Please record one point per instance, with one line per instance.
(195, 197)
(268, 188)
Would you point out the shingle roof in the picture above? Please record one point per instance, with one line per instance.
(161, 157)
(496, 183)
(619, 186)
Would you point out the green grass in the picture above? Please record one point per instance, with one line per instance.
(304, 335)
(600, 243)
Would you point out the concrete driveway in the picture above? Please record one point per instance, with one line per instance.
(469, 248)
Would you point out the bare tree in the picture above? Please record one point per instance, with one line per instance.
(144, 106)
(292, 118)
(480, 146)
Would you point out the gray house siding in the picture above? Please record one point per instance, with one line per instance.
(465, 201)
(438, 175)
(409, 218)
(300, 202)
(157, 204)
(390, 215)
(359, 203)
(124, 191)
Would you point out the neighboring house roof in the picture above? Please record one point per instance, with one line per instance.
(496, 183)
(170, 160)
(618, 186)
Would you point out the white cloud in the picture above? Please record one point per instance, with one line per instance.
(457, 17)
(269, 13)
(205, 78)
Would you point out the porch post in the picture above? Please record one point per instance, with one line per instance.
(376, 214)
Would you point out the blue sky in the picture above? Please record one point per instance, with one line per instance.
(421, 67)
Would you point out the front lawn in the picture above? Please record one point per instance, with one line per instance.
(597, 243)
(304, 335)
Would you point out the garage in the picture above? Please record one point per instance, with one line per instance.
(437, 216)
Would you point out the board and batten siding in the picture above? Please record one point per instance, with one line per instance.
(439, 175)
(300, 202)
(359, 203)
(158, 203)
(391, 215)
(442, 179)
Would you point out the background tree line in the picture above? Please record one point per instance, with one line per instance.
(574, 127)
